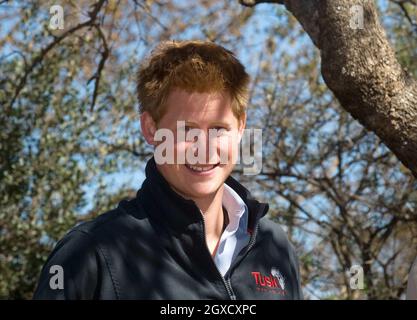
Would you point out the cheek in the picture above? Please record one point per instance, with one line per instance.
(181, 146)
(180, 151)
(228, 146)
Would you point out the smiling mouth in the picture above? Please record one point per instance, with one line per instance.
(205, 168)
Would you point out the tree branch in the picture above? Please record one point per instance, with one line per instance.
(38, 59)
(401, 4)
(360, 68)
(104, 55)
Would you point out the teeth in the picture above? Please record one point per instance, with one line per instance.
(200, 169)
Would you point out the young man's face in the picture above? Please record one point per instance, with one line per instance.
(202, 111)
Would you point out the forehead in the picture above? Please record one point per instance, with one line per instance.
(198, 107)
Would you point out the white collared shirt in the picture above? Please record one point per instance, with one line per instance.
(235, 237)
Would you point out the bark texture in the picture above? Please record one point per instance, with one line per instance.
(361, 69)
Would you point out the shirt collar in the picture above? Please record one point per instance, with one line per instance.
(235, 207)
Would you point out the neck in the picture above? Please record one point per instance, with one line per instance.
(212, 210)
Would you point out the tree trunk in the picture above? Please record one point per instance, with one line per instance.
(360, 68)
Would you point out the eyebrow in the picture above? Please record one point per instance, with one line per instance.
(222, 124)
(216, 123)
(190, 123)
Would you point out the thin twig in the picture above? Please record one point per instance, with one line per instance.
(104, 55)
(38, 59)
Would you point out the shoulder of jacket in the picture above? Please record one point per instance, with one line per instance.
(267, 225)
(97, 223)
(272, 229)
(104, 225)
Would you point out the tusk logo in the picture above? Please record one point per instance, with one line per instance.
(274, 282)
(275, 273)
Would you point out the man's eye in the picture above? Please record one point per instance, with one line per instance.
(220, 130)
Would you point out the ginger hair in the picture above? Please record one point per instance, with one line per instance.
(194, 66)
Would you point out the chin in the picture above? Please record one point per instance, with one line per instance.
(191, 185)
(199, 190)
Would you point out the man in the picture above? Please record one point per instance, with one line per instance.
(192, 232)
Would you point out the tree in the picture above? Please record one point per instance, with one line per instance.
(69, 126)
(70, 139)
(344, 197)
(361, 69)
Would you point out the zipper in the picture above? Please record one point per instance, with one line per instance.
(249, 247)
(252, 240)
(227, 282)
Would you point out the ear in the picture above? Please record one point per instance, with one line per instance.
(242, 126)
(148, 126)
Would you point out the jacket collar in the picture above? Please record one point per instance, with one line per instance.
(165, 205)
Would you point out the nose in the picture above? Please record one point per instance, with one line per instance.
(207, 143)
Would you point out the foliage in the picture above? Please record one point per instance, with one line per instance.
(70, 140)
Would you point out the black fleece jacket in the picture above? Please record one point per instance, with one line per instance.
(153, 247)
